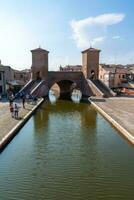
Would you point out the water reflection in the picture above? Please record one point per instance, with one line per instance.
(67, 151)
(49, 110)
(88, 118)
(54, 96)
(40, 120)
(76, 96)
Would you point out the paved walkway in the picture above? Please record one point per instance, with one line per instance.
(119, 109)
(6, 121)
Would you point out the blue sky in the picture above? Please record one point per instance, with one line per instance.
(65, 28)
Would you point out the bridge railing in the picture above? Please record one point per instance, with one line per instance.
(26, 86)
(40, 90)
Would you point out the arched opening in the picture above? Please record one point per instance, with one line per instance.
(92, 76)
(38, 77)
(65, 89)
(54, 93)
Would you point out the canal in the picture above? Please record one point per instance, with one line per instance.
(67, 151)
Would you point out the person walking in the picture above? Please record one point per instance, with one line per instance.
(16, 111)
(23, 101)
(11, 100)
(12, 110)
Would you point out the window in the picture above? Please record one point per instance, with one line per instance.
(123, 76)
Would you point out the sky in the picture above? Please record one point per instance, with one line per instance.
(65, 28)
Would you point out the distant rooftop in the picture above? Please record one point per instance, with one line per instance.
(115, 68)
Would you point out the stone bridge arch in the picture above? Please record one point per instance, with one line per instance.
(66, 87)
(67, 81)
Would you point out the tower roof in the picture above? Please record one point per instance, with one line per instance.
(91, 49)
(39, 50)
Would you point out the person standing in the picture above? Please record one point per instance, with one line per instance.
(16, 111)
(23, 101)
(12, 110)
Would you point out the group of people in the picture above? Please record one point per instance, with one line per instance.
(14, 109)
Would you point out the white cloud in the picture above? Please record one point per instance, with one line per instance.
(93, 30)
(116, 37)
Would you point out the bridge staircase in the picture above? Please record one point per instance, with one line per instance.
(29, 86)
(100, 89)
(40, 89)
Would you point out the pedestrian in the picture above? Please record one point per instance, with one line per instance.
(11, 100)
(23, 101)
(12, 110)
(16, 111)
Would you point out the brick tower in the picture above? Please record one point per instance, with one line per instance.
(90, 63)
(39, 63)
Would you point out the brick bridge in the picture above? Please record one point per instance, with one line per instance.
(67, 81)
(86, 80)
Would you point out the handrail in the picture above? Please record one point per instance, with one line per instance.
(25, 86)
(37, 86)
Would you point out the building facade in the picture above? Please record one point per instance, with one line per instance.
(2, 82)
(113, 75)
(11, 79)
(39, 67)
(71, 68)
(90, 63)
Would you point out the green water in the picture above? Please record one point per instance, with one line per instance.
(67, 151)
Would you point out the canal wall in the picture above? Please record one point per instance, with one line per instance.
(9, 135)
(119, 112)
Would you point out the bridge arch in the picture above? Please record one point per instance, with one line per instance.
(66, 87)
(67, 81)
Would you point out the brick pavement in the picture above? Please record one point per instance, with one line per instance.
(6, 121)
(121, 110)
